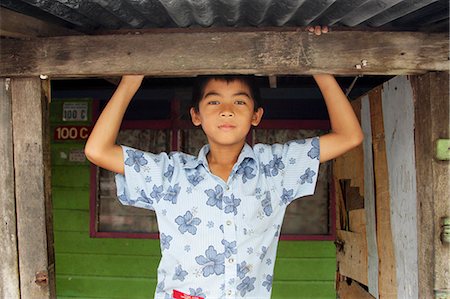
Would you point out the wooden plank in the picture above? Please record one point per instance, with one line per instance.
(303, 289)
(358, 155)
(398, 119)
(105, 287)
(291, 51)
(306, 249)
(305, 269)
(81, 243)
(78, 176)
(369, 199)
(9, 271)
(123, 266)
(357, 221)
(387, 280)
(71, 220)
(352, 291)
(424, 175)
(352, 259)
(17, 25)
(432, 119)
(146, 266)
(31, 165)
(70, 198)
(440, 111)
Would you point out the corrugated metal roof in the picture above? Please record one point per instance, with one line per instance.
(100, 15)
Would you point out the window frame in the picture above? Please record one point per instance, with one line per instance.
(175, 124)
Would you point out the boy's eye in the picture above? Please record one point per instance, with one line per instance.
(213, 103)
(240, 102)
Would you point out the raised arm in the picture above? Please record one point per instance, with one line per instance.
(345, 132)
(101, 148)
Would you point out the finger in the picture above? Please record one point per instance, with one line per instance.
(318, 30)
(325, 29)
(310, 29)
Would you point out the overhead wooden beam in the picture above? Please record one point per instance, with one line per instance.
(17, 25)
(254, 52)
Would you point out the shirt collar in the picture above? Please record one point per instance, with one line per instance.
(247, 152)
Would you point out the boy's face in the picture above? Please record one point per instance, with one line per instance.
(226, 112)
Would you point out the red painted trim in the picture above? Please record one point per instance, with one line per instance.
(332, 207)
(93, 180)
(93, 202)
(125, 235)
(294, 124)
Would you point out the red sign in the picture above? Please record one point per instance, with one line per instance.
(71, 133)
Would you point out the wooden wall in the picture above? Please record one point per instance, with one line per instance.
(432, 114)
(126, 268)
(393, 194)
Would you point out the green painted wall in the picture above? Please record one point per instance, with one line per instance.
(126, 268)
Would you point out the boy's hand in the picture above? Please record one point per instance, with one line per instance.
(317, 30)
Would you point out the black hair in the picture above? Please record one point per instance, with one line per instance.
(200, 82)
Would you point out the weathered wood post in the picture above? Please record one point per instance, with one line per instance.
(432, 113)
(28, 180)
(9, 269)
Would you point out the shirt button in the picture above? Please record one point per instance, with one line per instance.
(229, 292)
(231, 260)
(229, 222)
(227, 187)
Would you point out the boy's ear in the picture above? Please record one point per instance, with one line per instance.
(257, 116)
(195, 117)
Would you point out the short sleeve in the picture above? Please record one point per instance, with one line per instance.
(302, 166)
(293, 168)
(143, 181)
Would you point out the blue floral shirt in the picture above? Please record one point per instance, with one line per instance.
(219, 239)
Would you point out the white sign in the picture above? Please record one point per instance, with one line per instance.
(75, 112)
(77, 156)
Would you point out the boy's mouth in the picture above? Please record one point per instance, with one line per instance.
(226, 126)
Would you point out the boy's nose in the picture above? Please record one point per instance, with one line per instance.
(226, 114)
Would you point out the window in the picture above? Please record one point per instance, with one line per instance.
(308, 218)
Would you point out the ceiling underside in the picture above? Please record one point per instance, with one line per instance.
(92, 16)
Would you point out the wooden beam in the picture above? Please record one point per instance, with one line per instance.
(17, 25)
(9, 271)
(32, 185)
(253, 52)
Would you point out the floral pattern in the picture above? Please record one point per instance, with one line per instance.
(215, 197)
(212, 262)
(202, 219)
(247, 285)
(135, 159)
(187, 223)
(307, 177)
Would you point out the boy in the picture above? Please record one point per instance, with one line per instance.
(219, 214)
